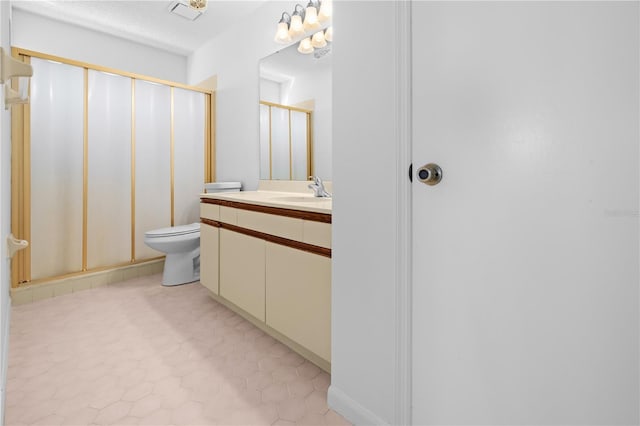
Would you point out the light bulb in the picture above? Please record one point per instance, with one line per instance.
(311, 18)
(282, 33)
(326, 10)
(318, 40)
(296, 29)
(328, 34)
(305, 46)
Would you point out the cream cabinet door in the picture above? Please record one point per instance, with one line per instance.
(242, 271)
(298, 297)
(209, 262)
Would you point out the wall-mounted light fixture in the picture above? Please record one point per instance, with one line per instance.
(311, 15)
(10, 67)
(306, 25)
(296, 27)
(282, 33)
(326, 11)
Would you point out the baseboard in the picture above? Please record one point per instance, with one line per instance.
(84, 281)
(350, 409)
(4, 356)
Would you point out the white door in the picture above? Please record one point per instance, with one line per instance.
(5, 261)
(5, 215)
(525, 279)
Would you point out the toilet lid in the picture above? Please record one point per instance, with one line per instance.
(174, 230)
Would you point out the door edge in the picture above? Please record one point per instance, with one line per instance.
(403, 261)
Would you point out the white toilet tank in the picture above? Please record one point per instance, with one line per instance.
(222, 187)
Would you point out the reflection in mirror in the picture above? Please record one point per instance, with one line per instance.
(285, 142)
(295, 115)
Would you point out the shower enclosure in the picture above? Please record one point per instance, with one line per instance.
(100, 157)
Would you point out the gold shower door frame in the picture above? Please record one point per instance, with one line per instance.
(21, 165)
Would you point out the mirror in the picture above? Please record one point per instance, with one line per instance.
(295, 114)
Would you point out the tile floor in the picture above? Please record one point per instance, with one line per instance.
(138, 353)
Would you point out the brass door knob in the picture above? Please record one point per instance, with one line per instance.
(430, 174)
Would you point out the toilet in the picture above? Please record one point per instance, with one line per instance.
(182, 244)
(182, 247)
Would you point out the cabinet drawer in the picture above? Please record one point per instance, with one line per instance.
(228, 215)
(210, 211)
(280, 226)
(317, 233)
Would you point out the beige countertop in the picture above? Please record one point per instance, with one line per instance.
(285, 200)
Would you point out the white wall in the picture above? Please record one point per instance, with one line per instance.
(363, 273)
(5, 212)
(233, 57)
(44, 35)
(364, 236)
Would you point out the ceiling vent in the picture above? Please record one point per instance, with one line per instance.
(185, 11)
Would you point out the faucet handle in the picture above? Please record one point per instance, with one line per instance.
(318, 187)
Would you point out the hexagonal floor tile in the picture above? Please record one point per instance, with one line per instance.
(138, 353)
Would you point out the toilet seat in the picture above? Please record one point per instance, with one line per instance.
(174, 231)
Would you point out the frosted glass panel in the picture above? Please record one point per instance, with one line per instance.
(264, 142)
(189, 141)
(153, 162)
(109, 203)
(57, 97)
(280, 143)
(299, 136)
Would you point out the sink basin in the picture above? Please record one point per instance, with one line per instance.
(302, 199)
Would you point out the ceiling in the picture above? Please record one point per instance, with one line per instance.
(145, 21)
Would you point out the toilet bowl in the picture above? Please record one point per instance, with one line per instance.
(182, 247)
(182, 244)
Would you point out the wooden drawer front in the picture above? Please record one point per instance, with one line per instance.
(209, 238)
(210, 211)
(242, 266)
(228, 215)
(298, 297)
(280, 226)
(317, 233)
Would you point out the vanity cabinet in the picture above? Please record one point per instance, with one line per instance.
(274, 266)
(242, 266)
(209, 247)
(298, 297)
(209, 256)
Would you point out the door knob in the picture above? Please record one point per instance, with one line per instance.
(430, 174)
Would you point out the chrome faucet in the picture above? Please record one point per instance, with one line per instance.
(318, 187)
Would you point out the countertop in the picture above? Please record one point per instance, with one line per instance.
(285, 200)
